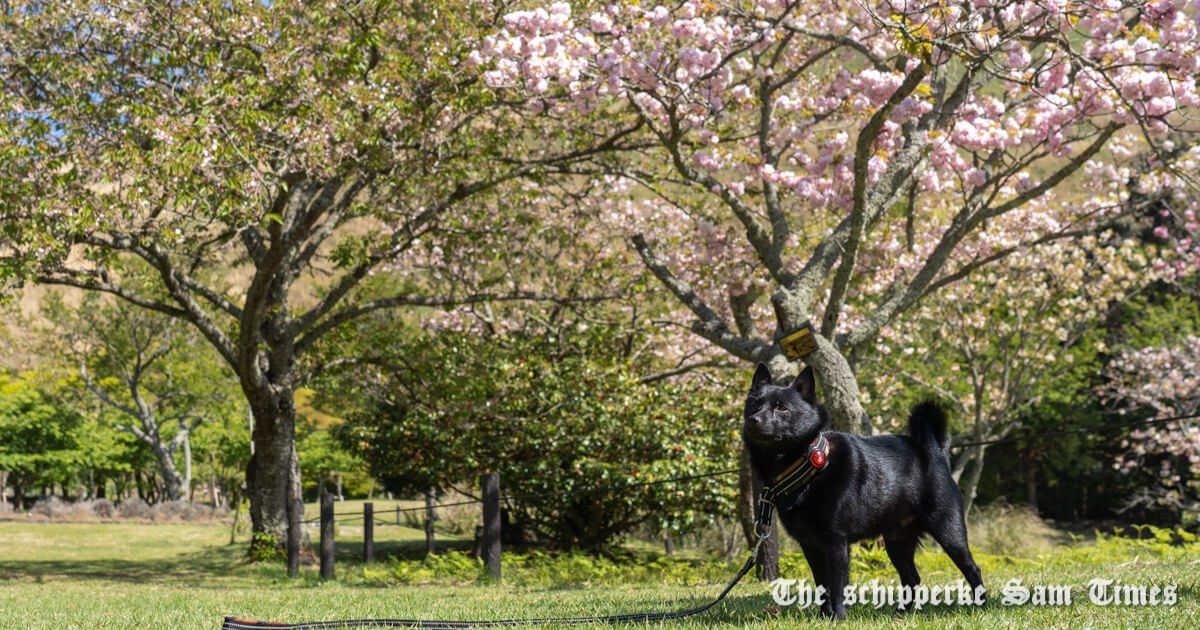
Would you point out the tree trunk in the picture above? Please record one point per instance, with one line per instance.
(172, 482)
(18, 495)
(187, 467)
(3, 485)
(973, 480)
(237, 516)
(839, 388)
(273, 476)
(960, 464)
(745, 500)
(296, 533)
(1029, 459)
(216, 496)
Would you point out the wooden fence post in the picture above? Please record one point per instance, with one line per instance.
(368, 532)
(430, 517)
(326, 533)
(491, 522)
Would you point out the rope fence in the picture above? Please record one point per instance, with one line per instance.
(1104, 427)
(543, 495)
(489, 545)
(719, 473)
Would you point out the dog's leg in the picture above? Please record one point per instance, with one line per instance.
(950, 531)
(815, 556)
(837, 567)
(901, 552)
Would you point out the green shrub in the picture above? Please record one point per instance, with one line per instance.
(545, 569)
(555, 416)
(265, 547)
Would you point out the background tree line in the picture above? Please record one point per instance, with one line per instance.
(562, 399)
(270, 178)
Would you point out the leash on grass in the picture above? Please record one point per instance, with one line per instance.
(798, 474)
(762, 527)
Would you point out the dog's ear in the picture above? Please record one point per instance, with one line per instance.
(806, 385)
(762, 376)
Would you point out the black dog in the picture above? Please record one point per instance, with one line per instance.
(894, 486)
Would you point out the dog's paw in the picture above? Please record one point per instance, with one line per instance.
(838, 614)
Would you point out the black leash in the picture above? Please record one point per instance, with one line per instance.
(762, 527)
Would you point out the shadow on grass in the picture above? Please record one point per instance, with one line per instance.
(210, 565)
(207, 566)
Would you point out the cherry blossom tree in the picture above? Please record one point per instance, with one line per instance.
(835, 161)
(1167, 380)
(262, 160)
(1164, 377)
(1175, 212)
(1024, 331)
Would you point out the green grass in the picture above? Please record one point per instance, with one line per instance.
(188, 576)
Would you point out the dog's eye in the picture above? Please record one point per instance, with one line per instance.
(781, 408)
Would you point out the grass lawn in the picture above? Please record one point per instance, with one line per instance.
(188, 576)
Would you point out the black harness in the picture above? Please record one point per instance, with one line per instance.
(795, 477)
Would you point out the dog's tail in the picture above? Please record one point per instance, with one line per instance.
(927, 427)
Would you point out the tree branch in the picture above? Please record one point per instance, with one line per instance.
(862, 156)
(759, 237)
(103, 395)
(684, 369)
(346, 315)
(842, 40)
(963, 224)
(176, 285)
(90, 280)
(708, 324)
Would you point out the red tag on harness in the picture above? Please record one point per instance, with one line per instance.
(817, 459)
